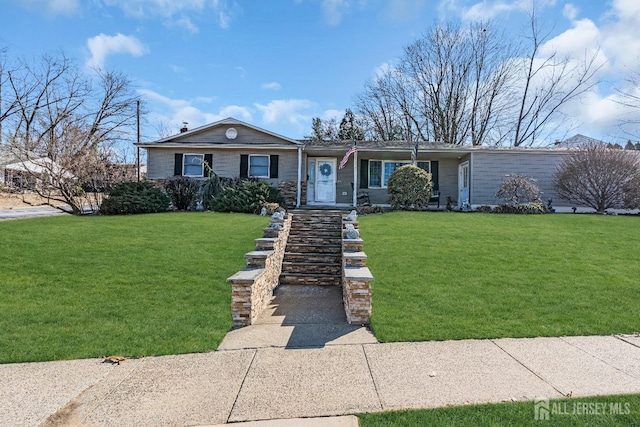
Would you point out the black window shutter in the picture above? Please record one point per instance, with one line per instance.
(273, 166)
(208, 161)
(434, 175)
(364, 173)
(244, 165)
(177, 166)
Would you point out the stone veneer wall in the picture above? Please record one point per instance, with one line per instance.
(289, 191)
(356, 280)
(252, 287)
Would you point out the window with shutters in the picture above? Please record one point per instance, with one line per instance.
(193, 165)
(258, 166)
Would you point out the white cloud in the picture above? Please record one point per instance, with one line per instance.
(288, 110)
(403, 10)
(271, 86)
(172, 113)
(488, 9)
(185, 23)
(164, 8)
(334, 10)
(570, 11)
(222, 10)
(104, 45)
(51, 7)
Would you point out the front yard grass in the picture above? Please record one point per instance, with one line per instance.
(623, 410)
(445, 276)
(76, 287)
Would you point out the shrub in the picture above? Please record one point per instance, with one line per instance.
(632, 193)
(134, 198)
(484, 209)
(598, 177)
(531, 208)
(248, 196)
(182, 191)
(517, 189)
(409, 188)
(213, 187)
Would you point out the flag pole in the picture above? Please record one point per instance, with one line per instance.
(355, 177)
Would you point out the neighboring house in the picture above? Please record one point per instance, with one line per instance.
(232, 148)
(7, 157)
(19, 173)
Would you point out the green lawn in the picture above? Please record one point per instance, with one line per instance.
(452, 276)
(602, 411)
(76, 287)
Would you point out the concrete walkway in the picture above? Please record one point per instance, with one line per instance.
(281, 383)
(300, 317)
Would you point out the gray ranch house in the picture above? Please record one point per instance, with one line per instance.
(308, 171)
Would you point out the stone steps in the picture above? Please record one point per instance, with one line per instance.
(310, 279)
(295, 267)
(313, 255)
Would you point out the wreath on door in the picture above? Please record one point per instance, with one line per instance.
(325, 170)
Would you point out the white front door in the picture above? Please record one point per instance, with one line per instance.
(325, 191)
(463, 184)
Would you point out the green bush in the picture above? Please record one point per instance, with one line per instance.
(248, 196)
(409, 188)
(532, 208)
(134, 198)
(213, 187)
(182, 191)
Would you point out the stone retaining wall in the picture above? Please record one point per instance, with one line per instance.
(252, 287)
(356, 280)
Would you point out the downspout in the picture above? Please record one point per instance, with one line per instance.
(299, 187)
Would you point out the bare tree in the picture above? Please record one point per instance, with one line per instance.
(549, 83)
(518, 188)
(449, 86)
(629, 97)
(64, 125)
(598, 176)
(381, 106)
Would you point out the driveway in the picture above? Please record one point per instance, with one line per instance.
(33, 212)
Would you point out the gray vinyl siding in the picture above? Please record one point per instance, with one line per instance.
(226, 163)
(216, 135)
(448, 179)
(489, 169)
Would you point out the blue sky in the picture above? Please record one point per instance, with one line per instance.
(279, 63)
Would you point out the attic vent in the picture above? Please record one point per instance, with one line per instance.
(231, 133)
(184, 127)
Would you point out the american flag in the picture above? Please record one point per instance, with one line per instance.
(345, 159)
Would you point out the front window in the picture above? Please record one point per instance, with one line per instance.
(193, 165)
(258, 166)
(380, 171)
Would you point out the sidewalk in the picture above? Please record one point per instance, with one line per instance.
(337, 379)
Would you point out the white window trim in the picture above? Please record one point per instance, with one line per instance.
(268, 166)
(382, 163)
(184, 159)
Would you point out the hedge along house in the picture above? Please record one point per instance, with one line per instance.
(310, 171)
(231, 148)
